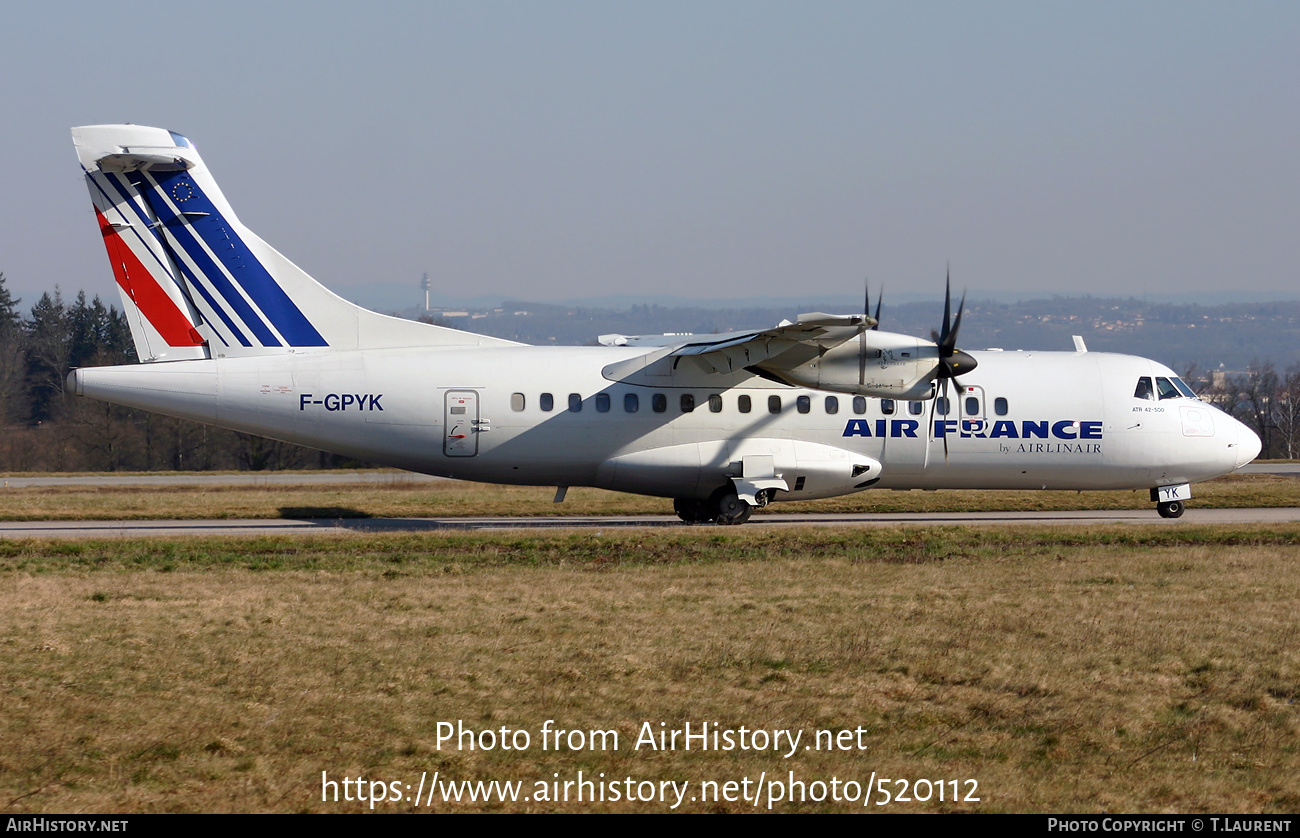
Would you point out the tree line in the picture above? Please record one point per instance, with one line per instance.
(44, 429)
(47, 429)
(1266, 399)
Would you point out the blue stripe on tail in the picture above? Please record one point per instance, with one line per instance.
(122, 200)
(235, 256)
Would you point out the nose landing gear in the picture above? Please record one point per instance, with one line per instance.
(1169, 500)
(1170, 509)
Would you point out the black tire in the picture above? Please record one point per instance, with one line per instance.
(691, 510)
(726, 508)
(1170, 509)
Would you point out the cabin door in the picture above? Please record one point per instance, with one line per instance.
(460, 423)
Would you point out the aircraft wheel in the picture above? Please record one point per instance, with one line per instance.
(1170, 509)
(691, 510)
(729, 509)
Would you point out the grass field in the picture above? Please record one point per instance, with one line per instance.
(1063, 670)
(448, 499)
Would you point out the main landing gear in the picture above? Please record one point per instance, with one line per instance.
(722, 507)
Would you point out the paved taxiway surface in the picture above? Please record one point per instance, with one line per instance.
(280, 526)
(268, 526)
(247, 478)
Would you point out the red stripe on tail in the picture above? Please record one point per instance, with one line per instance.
(143, 290)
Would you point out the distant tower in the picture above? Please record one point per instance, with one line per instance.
(424, 283)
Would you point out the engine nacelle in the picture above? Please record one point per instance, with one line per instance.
(896, 367)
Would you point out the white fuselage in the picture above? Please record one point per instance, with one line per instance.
(1040, 420)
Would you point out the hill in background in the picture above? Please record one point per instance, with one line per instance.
(1226, 336)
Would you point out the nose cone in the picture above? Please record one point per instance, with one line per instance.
(1248, 445)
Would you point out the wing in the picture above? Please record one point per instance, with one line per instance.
(841, 353)
(788, 345)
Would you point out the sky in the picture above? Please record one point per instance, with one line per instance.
(702, 150)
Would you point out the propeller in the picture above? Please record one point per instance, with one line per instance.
(952, 361)
(862, 338)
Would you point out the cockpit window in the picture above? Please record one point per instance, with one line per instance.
(1164, 388)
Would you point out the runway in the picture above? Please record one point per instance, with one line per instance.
(272, 526)
(340, 526)
(245, 478)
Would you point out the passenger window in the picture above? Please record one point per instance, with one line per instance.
(804, 403)
(1000, 406)
(602, 402)
(859, 405)
(743, 404)
(715, 403)
(631, 403)
(1144, 390)
(516, 402)
(941, 405)
(887, 407)
(972, 406)
(688, 402)
(546, 402)
(575, 403)
(832, 405)
(915, 408)
(658, 402)
(1167, 389)
(773, 404)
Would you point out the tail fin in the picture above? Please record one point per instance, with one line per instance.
(195, 282)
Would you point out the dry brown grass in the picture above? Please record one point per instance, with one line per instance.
(1073, 670)
(456, 499)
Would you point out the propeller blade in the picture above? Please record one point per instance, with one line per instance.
(862, 337)
(947, 309)
(862, 359)
(952, 361)
(956, 323)
(929, 437)
(879, 302)
(945, 427)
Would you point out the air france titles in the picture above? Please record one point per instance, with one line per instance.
(1065, 429)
